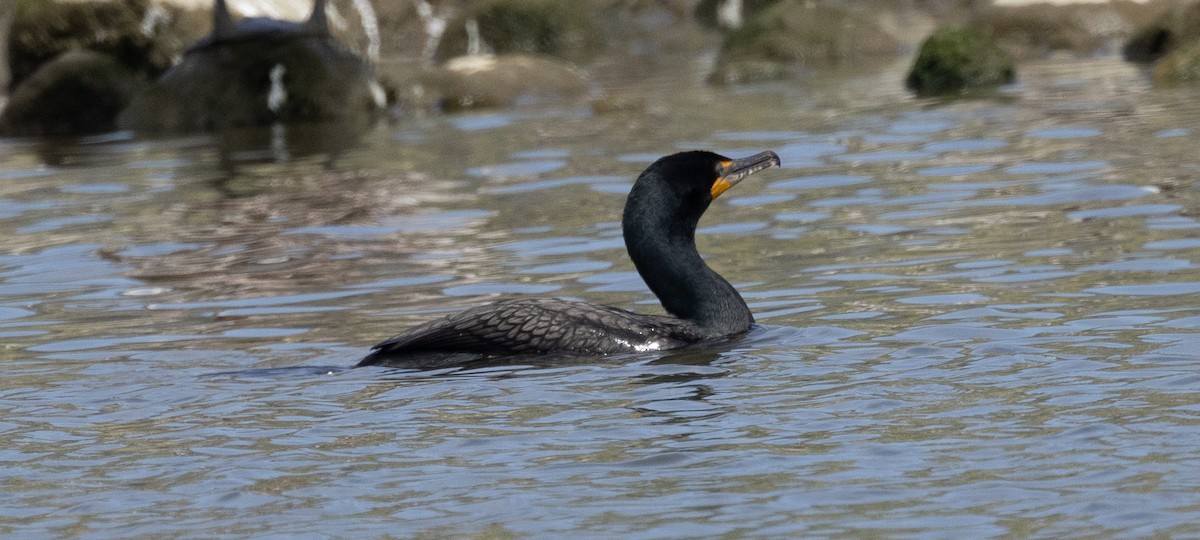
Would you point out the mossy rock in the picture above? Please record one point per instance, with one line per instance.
(955, 60)
(551, 27)
(142, 35)
(772, 43)
(1180, 66)
(78, 92)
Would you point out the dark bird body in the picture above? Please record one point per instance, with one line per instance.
(659, 224)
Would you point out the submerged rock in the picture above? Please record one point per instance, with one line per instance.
(955, 60)
(78, 92)
(257, 72)
(482, 81)
(564, 30)
(792, 33)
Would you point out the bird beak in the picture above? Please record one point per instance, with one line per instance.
(733, 171)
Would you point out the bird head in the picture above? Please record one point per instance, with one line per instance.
(697, 177)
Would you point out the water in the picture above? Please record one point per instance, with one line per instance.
(978, 319)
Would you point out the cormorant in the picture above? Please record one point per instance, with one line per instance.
(659, 224)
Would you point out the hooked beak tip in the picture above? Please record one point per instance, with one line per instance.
(734, 171)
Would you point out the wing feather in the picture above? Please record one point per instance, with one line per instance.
(540, 326)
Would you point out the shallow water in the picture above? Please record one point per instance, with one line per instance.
(978, 318)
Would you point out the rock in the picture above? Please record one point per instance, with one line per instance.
(1083, 29)
(1173, 29)
(257, 72)
(549, 27)
(955, 60)
(76, 93)
(1148, 44)
(142, 35)
(7, 11)
(1172, 43)
(619, 103)
(792, 33)
(482, 81)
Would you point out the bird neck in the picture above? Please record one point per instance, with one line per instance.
(662, 246)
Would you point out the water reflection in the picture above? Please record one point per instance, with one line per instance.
(975, 319)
